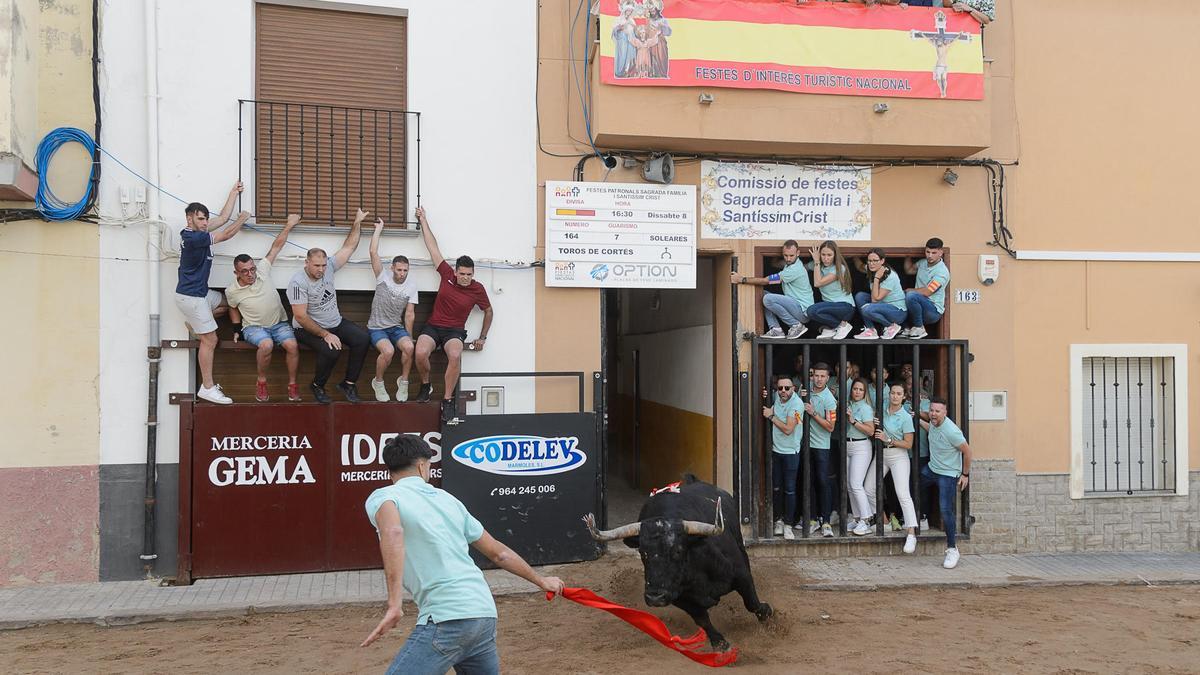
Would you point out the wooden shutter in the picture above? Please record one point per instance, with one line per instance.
(330, 134)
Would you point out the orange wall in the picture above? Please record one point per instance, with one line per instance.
(1095, 103)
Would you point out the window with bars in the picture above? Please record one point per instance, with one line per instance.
(1128, 423)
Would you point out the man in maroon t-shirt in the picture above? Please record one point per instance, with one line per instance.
(457, 294)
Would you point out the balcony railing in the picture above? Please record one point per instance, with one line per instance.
(326, 161)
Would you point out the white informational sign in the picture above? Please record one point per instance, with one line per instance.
(620, 235)
(966, 296)
(740, 200)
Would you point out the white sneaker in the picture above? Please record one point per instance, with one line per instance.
(814, 527)
(826, 530)
(827, 334)
(924, 524)
(773, 334)
(904, 332)
(788, 535)
(401, 389)
(867, 334)
(910, 543)
(779, 528)
(891, 331)
(214, 395)
(951, 560)
(917, 333)
(843, 330)
(796, 331)
(861, 529)
(380, 390)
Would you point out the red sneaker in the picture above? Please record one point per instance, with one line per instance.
(260, 391)
(294, 392)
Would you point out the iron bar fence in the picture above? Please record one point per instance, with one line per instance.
(326, 161)
(1128, 424)
(938, 367)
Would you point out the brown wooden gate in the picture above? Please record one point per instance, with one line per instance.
(280, 488)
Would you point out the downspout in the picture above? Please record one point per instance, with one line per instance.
(153, 350)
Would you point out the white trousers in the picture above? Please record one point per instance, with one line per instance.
(896, 461)
(858, 455)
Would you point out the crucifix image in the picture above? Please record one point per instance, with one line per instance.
(941, 41)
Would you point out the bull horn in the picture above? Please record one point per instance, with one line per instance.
(625, 531)
(706, 529)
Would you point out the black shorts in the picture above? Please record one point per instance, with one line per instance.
(443, 335)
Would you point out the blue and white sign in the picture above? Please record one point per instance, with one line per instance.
(520, 455)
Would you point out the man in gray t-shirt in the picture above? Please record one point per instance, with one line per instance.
(392, 314)
(319, 324)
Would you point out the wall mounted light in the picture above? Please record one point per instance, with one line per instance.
(950, 177)
(706, 98)
(881, 108)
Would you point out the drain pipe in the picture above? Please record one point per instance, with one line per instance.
(153, 350)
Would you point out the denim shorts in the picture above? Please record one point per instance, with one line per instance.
(280, 333)
(392, 334)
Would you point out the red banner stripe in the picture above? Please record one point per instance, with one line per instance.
(685, 73)
(839, 15)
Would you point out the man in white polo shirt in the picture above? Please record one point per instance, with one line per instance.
(424, 533)
(254, 304)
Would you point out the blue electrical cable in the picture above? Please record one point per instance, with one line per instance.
(47, 203)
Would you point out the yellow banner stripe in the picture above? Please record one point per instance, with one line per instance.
(812, 46)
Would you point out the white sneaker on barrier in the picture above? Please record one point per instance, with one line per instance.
(401, 389)
(214, 395)
(381, 394)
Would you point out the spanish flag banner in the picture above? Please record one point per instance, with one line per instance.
(814, 47)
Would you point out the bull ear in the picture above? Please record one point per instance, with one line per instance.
(633, 542)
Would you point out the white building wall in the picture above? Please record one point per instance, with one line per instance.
(471, 74)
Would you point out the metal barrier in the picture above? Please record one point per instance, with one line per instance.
(753, 464)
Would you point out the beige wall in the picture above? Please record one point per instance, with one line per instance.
(18, 78)
(1100, 134)
(50, 406)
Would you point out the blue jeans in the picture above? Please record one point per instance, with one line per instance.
(392, 335)
(823, 486)
(780, 306)
(947, 487)
(467, 645)
(280, 333)
(878, 315)
(783, 476)
(921, 310)
(831, 314)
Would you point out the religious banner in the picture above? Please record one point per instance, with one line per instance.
(814, 47)
(742, 200)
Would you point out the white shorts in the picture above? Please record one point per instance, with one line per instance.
(198, 312)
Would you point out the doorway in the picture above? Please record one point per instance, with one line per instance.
(659, 364)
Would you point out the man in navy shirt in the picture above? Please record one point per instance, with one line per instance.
(195, 301)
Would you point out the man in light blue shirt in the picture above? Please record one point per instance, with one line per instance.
(822, 413)
(791, 306)
(424, 533)
(784, 417)
(926, 302)
(949, 468)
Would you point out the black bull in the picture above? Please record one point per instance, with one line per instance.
(690, 559)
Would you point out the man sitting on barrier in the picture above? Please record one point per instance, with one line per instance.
(927, 300)
(424, 533)
(457, 294)
(393, 310)
(255, 308)
(318, 321)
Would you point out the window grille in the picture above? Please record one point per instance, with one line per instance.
(1129, 430)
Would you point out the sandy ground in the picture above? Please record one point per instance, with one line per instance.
(1082, 629)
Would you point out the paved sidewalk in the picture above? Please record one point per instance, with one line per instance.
(126, 602)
